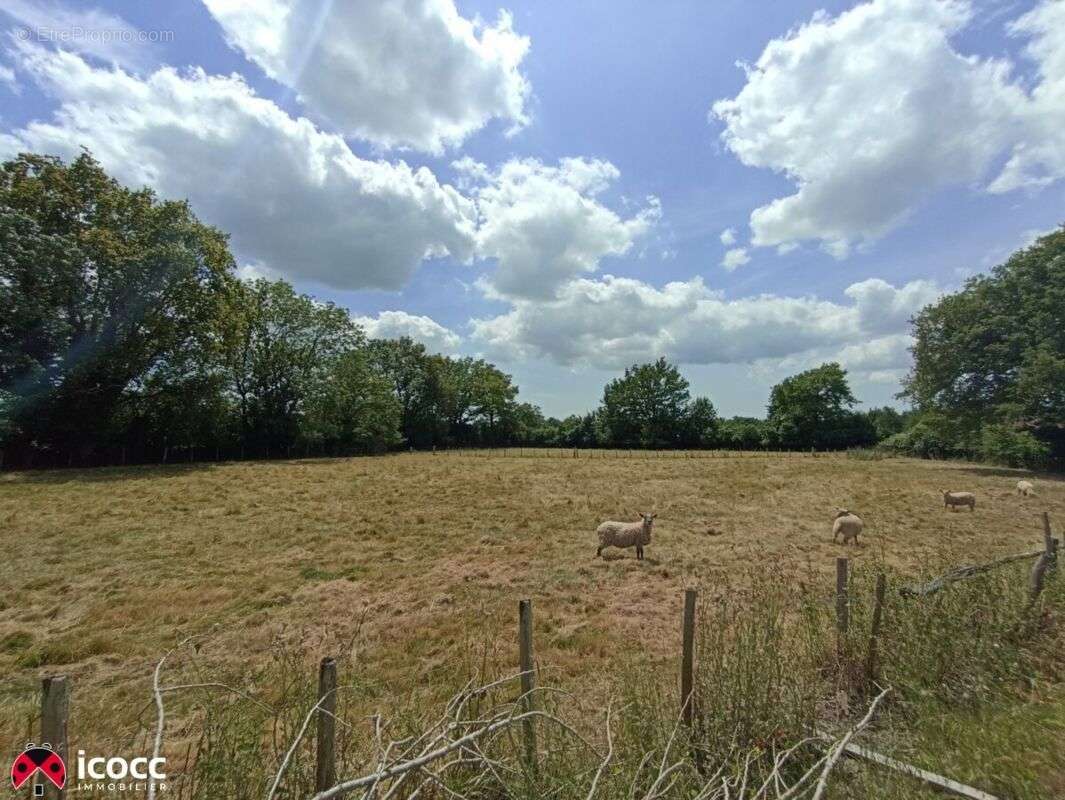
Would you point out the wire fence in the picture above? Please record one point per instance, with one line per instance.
(620, 453)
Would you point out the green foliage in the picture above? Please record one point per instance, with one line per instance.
(354, 407)
(280, 347)
(701, 426)
(104, 286)
(939, 435)
(812, 409)
(744, 433)
(646, 407)
(886, 421)
(650, 406)
(579, 431)
(995, 351)
(125, 328)
(453, 400)
(1002, 444)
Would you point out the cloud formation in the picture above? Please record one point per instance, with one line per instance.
(873, 110)
(613, 322)
(546, 225)
(396, 324)
(736, 257)
(296, 200)
(1039, 159)
(399, 73)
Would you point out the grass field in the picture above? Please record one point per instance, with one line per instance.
(411, 566)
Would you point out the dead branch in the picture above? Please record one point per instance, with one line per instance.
(961, 573)
(606, 759)
(837, 750)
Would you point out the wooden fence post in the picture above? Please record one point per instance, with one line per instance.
(687, 659)
(874, 631)
(1050, 544)
(55, 712)
(528, 677)
(1047, 562)
(842, 606)
(325, 771)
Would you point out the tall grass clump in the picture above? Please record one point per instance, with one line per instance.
(954, 644)
(764, 668)
(228, 732)
(868, 453)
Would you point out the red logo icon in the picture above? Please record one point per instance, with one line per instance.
(36, 759)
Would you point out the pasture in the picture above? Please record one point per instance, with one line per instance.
(410, 566)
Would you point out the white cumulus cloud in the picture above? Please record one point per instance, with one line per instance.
(871, 111)
(546, 225)
(1039, 159)
(612, 322)
(399, 73)
(296, 200)
(736, 257)
(396, 324)
(728, 237)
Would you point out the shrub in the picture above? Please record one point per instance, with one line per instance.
(926, 439)
(1003, 444)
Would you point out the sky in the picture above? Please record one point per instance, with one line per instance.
(565, 189)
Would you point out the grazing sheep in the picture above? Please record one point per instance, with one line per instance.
(847, 525)
(1025, 488)
(955, 499)
(626, 534)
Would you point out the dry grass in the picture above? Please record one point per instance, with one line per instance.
(411, 565)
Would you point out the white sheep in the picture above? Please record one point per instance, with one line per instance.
(626, 534)
(847, 525)
(1025, 488)
(952, 500)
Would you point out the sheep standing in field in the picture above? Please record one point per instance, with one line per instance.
(626, 534)
(952, 500)
(847, 525)
(1025, 488)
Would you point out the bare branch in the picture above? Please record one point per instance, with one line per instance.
(837, 750)
(295, 743)
(606, 759)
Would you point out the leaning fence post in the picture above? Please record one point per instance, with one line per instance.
(325, 772)
(55, 711)
(687, 659)
(842, 610)
(1045, 563)
(528, 677)
(874, 631)
(1049, 542)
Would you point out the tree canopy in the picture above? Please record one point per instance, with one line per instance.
(650, 406)
(992, 356)
(813, 409)
(101, 287)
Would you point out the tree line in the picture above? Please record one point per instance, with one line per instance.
(126, 336)
(988, 377)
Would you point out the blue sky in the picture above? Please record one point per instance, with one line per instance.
(558, 187)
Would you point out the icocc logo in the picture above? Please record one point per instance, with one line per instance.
(110, 773)
(117, 768)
